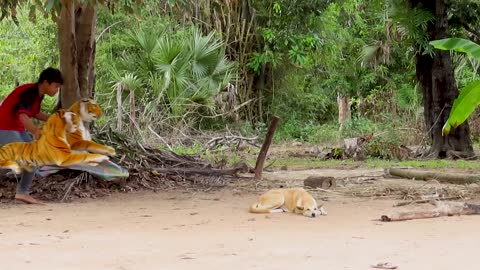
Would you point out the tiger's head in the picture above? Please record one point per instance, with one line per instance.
(72, 121)
(61, 122)
(87, 109)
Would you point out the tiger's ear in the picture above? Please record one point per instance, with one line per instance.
(68, 116)
(61, 113)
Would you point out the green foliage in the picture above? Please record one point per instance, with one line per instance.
(26, 49)
(290, 32)
(294, 129)
(11, 8)
(172, 71)
(385, 146)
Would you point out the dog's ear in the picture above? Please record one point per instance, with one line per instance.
(299, 205)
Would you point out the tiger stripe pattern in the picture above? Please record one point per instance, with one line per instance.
(50, 149)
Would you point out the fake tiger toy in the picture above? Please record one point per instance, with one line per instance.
(81, 140)
(50, 149)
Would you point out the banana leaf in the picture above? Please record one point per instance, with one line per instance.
(469, 97)
(466, 46)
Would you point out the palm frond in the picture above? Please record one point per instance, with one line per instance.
(205, 51)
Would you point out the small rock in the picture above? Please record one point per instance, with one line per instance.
(324, 182)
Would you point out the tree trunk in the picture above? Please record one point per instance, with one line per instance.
(439, 87)
(76, 32)
(344, 112)
(85, 27)
(68, 54)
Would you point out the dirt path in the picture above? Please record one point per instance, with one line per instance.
(213, 231)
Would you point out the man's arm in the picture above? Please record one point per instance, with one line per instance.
(42, 116)
(30, 126)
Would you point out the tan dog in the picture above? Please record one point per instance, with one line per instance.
(296, 200)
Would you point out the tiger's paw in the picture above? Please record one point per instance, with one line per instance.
(99, 158)
(110, 151)
(16, 169)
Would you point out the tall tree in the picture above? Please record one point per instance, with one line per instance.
(76, 39)
(434, 71)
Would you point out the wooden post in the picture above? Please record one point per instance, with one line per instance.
(119, 106)
(266, 145)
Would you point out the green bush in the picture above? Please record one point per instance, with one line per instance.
(26, 49)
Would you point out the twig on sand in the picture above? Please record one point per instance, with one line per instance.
(384, 265)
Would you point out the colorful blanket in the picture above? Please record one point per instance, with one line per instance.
(107, 170)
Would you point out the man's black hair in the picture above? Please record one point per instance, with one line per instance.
(51, 75)
(27, 97)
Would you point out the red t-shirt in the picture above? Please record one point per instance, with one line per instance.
(9, 118)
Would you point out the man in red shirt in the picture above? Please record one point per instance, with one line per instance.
(16, 111)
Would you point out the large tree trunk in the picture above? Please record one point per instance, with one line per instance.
(439, 87)
(76, 32)
(85, 26)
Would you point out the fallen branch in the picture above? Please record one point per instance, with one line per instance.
(459, 179)
(426, 201)
(230, 140)
(441, 209)
(241, 167)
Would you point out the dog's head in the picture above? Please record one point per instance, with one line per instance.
(309, 208)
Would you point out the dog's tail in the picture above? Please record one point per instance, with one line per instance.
(257, 208)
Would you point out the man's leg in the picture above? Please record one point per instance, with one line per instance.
(7, 136)
(23, 187)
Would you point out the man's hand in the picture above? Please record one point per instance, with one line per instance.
(37, 133)
(34, 130)
(42, 116)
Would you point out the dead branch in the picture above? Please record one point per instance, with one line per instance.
(426, 201)
(241, 167)
(266, 145)
(459, 179)
(441, 209)
(230, 140)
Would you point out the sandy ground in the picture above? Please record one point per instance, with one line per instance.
(179, 230)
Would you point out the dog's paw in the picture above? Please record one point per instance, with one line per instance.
(322, 211)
